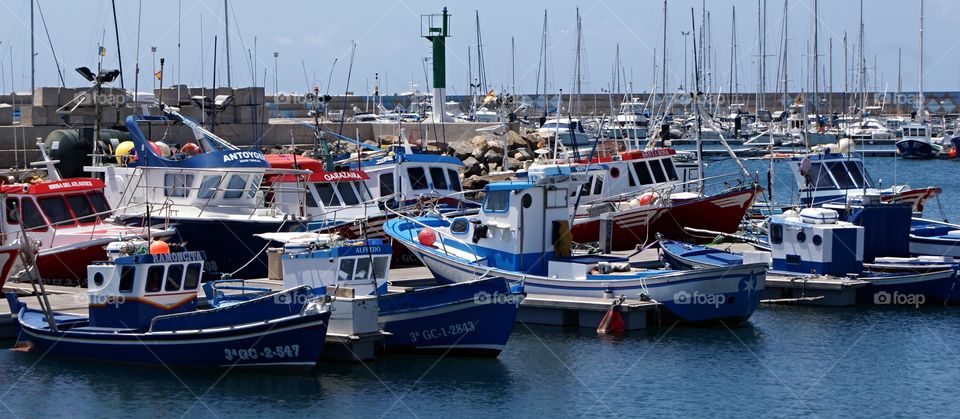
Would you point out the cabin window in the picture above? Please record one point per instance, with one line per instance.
(32, 220)
(643, 173)
(192, 278)
(363, 268)
(177, 184)
(819, 178)
(585, 188)
(327, 195)
(418, 178)
(100, 204)
(439, 179)
(454, 180)
(174, 278)
(13, 205)
(459, 226)
(657, 170)
(386, 184)
(362, 191)
(235, 187)
(347, 193)
(346, 269)
(311, 201)
(671, 171)
(597, 185)
(496, 201)
(254, 185)
(208, 186)
(380, 266)
(839, 172)
(856, 172)
(630, 178)
(81, 208)
(776, 234)
(56, 211)
(154, 278)
(127, 275)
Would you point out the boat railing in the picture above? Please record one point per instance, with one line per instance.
(666, 189)
(440, 235)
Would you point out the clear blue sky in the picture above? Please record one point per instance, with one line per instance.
(388, 42)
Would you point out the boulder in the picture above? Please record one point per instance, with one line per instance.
(461, 149)
(495, 145)
(493, 156)
(474, 183)
(472, 167)
(514, 165)
(515, 141)
(523, 154)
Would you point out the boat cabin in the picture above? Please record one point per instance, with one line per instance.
(130, 291)
(814, 241)
(404, 175)
(337, 195)
(823, 178)
(620, 178)
(48, 206)
(320, 260)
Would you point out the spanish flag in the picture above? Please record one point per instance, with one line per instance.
(158, 75)
(102, 51)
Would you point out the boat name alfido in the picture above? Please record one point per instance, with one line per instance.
(522, 233)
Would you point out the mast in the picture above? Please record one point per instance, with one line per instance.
(786, 42)
(763, 58)
(696, 103)
(830, 77)
(733, 55)
(816, 66)
(920, 100)
(663, 78)
(116, 35)
(226, 30)
(899, 78)
(577, 82)
(33, 54)
(513, 68)
(846, 74)
(545, 95)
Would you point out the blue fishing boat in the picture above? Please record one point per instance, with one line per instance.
(470, 318)
(143, 310)
(209, 191)
(522, 233)
(916, 142)
(935, 238)
(814, 243)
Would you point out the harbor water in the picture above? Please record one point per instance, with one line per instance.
(785, 361)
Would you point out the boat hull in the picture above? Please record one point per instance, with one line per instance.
(722, 212)
(931, 288)
(471, 318)
(727, 295)
(288, 343)
(913, 149)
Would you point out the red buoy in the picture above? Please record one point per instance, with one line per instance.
(952, 153)
(612, 322)
(646, 198)
(427, 237)
(159, 247)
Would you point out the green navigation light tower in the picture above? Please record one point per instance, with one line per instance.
(436, 29)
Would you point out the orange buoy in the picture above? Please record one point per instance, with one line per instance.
(159, 247)
(427, 237)
(646, 198)
(190, 149)
(952, 153)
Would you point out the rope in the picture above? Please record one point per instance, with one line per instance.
(257, 256)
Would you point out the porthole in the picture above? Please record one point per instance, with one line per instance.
(817, 240)
(615, 172)
(801, 237)
(98, 279)
(526, 200)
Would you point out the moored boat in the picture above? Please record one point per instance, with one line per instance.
(143, 310)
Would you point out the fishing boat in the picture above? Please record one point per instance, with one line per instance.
(142, 309)
(814, 243)
(644, 193)
(839, 178)
(72, 221)
(916, 142)
(522, 233)
(209, 192)
(10, 261)
(468, 318)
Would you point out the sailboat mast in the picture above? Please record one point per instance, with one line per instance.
(816, 66)
(663, 70)
(899, 78)
(920, 100)
(226, 30)
(786, 42)
(33, 55)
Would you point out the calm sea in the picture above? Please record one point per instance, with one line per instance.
(785, 362)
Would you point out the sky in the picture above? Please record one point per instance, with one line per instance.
(314, 41)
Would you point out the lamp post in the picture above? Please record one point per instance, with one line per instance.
(153, 50)
(275, 91)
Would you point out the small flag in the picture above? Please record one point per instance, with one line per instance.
(158, 75)
(102, 51)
